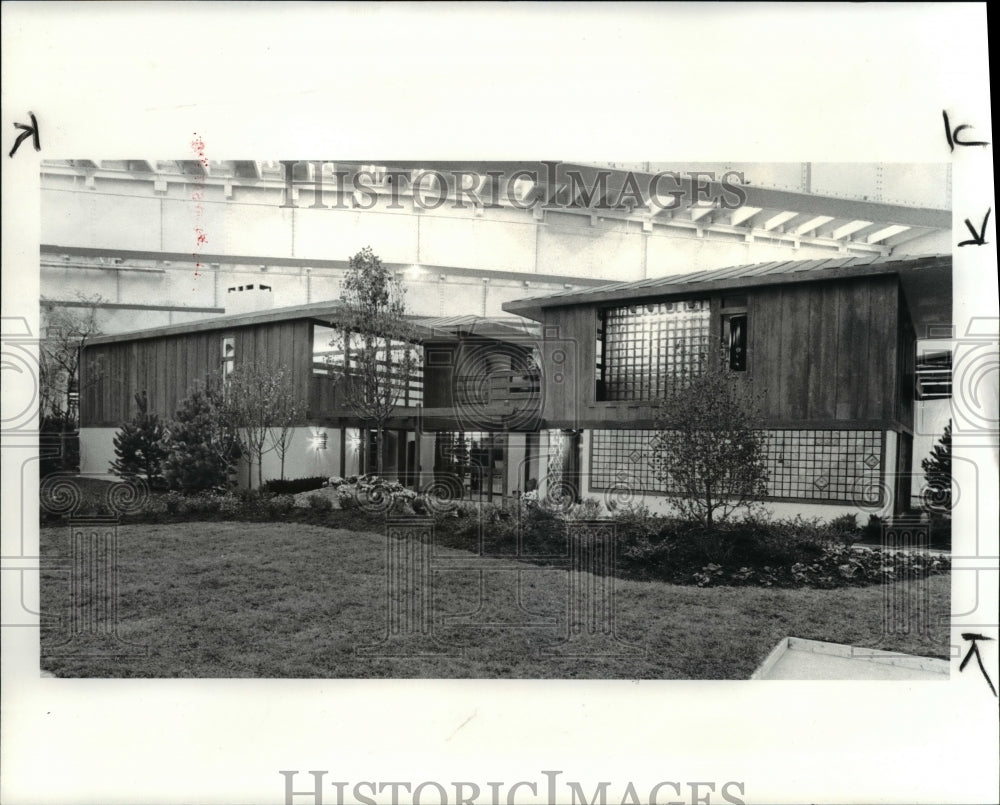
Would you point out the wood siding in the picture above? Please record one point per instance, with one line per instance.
(169, 367)
(819, 354)
(825, 351)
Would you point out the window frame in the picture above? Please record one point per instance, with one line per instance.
(722, 308)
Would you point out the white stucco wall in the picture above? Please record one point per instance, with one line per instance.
(97, 450)
(304, 458)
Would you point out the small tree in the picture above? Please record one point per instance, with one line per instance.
(139, 445)
(289, 411)
(261, 404)
(709, 450)
(65, 331)
(937, 474)
(203, 443)
(376, 341)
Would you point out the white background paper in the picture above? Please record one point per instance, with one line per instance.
(752, 82)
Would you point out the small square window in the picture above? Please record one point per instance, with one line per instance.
(228, 355)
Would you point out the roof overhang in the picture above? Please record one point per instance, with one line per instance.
(323, 311)
(926, 285)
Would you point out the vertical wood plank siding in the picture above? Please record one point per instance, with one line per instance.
(817, 351)
(169, 367)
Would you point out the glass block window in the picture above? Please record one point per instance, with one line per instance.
(649, 348)
(838, 466)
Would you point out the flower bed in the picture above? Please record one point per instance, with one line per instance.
(761, 553)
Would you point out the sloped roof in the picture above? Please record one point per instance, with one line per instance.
(321, 310)
(330, 311)
(741, 276)
(483, 327)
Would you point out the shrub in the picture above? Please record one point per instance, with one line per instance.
(293, 486)
(845, 524)
(153, 509)
(281, 505)
(348, 499)
(204, 447)
(320, 503)
(708, 448)
(940, 531)
(58, 445)
(205, 503)
(140, 445)
(467, 509)
(376, 496)
(872, 532)
(175, 503)
(635, 522)
(937, 474)
(587, 509)
(249, 497)
(231, 507)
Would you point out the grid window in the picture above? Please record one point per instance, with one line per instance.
(837, 466)
(650, 349)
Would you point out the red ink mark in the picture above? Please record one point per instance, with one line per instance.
(198, 146)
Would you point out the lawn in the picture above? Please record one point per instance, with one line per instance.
(237, 599)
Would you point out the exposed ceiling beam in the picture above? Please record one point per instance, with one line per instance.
(779, 219)
(886, 232)
(743, 214)
(760, 197)
(813, 224)
(848, 229)
(699, 212)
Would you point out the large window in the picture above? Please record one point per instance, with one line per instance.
(328, 359)
(473, 465)
(647, 349)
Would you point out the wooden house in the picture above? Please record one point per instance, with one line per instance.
(563, 393)
(829, 344)
(465, 420)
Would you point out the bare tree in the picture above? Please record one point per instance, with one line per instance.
(289, 410)
(66, 331)
(262, 406)
(376, 340)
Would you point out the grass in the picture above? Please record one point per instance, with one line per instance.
(237, 599)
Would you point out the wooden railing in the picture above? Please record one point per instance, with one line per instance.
(513, 388)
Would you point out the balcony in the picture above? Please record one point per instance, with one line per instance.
(513, 390)
(491, 401)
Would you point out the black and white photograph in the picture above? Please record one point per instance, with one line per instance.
(402, 423)
(539, 420)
